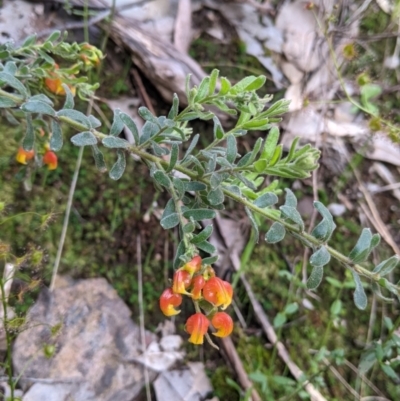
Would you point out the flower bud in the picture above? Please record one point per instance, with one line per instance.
(197, 326)
(223, 323)
(181, 282)
(50, 158)
(193, 266)
(168, 302)
(218, 292)
(198, 283)
(24, 155)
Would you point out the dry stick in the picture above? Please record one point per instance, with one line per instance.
(229, 348)
(142, 90)
(183, 26)
(273, 338)
(141, 316)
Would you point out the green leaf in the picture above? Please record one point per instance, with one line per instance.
(276, 157)
(30, 40)
(315, 277)
(278, 108)
(257, 125)
(210, 260)
(292, 214)
(119, 167)
(248, 158)
(84, 139)
(216, 196)
(162, 178)
(53, 36)
(206, 247)
(202, 235)
(270, 144)
(180, 251)
(360, 299)
(253, 222)
(213, 81)
(218, 130)
(389, 372)
(387, 266)
(41, 98)
(115, 142)
(266, 200)
(131, 125)
(320, 257)
(362, 249)
(13, 82)
(75, 116)
(99, 159)
(38, 107)
(56, 139)
(276, 233)
(202, 90)
(188, 228)
(336, 307)
(325, 228)
(170, 221)
(291, 308)
(145, 113)
(117, 125)
(279, 320)
(29, 138)
(173, 158)
(215, 180)
(225, 86)
(6, 103)
(169, 208)
(95, 122)
(231, 148)
(175, 107)
(69, 98)
(199, 214)
(257, 83)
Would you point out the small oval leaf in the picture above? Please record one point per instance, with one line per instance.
(315, 277)
(84, 139)
(119, 167)
(276, 233)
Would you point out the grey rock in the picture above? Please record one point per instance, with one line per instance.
(96, 338)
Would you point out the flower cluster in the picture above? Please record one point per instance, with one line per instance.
(208, 293)
(55, 81)
(49, 157)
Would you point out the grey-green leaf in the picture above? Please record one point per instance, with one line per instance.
(387, 266)
(292, 214)
(84, 139)
(231, 148)
(76, 116)
(253, 222)
(360, 252)
(173, 158)
(290, 199)
(206, 247)
(218, 130)
(115, 142)
(192, 145)
(360, 298)
(175, 107)
(131, 125)
(276, 233)
(270, 144)
(117, 125)
(69, 98)
(145, 113)
(199, 214)
(38, 107)
(202, 235)
(56, 139)
(266, 200)
(162, 178)
(315, 277)
(170, 221)
(321, 257)
(99, 159)
(13, 82)
(119, 167)
(29, 138)
(180, 251)
(216, 196)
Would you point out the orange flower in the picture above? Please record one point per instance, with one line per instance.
(198, 283)
(54, 84)
(24, 155)
(193, 266)
(50, 158)
(197, 326)
(168, 302)
(223, 323)
(208, 272)
(91, 55)
(181, 282)
(218, 292)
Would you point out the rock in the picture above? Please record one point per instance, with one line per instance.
(96, 339)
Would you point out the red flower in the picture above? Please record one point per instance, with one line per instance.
(50, 158)
(24, 155)
(223, 323)
(193, 266)
(198, 283)
(168, 302)
(218, 292)
(181, 282)
(197, 326)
